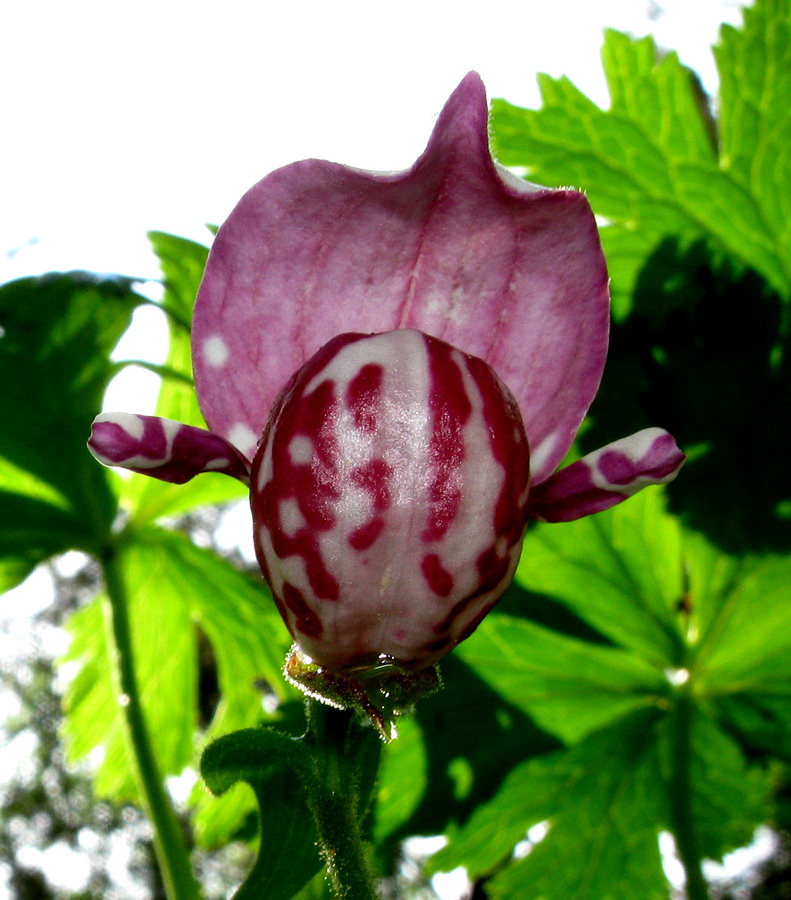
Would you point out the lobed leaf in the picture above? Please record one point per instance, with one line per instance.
(754, 64)
(56, 335)
(569, 687)
(621, 570)
(603, 805)
(651, 163)
(182, 262)
(271, 764)
(604, 802)
(173, 585)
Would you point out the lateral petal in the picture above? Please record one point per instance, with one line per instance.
(606, 477)
(163, 448)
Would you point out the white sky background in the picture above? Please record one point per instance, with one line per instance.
(120, 117)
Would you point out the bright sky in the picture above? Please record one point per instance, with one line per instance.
(119, 117)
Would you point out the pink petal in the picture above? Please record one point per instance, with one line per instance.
(163, 448)
(454, 247)
(607, 476)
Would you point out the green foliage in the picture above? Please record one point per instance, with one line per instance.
(174, 587)
(567, 686)
(602, 821)
(147, 499)
(56, 336)
(613, 704)
(192, 614)
(630, 562)
(274, 766)
(657, 165)
(603, 802)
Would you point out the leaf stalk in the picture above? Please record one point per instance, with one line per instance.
(169, 844)
(345, 757)
(680, 789)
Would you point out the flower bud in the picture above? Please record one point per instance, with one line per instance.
(389, 494)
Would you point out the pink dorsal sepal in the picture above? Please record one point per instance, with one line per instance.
(455, 247)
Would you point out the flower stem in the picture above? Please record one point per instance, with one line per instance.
(169, 844)
(681, 811)
(346, 756)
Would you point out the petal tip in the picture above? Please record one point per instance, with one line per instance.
(607, 476)
(163, 448)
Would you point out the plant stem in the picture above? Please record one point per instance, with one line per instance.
(169, 843)
(681, 811)
(345, 757)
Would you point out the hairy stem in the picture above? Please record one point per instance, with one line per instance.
(345, 757)
(169, 843)
(681, 811)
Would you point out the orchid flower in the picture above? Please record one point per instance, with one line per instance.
(396, 364)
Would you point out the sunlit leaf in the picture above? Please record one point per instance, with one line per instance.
(649, 164)
(402, 778)
(747, 645)
(621, 570)
(56, 336)
(754, 64)
(603, 804)
(182, 263)
(568, 686)
(173, 585)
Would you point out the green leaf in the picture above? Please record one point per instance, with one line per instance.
(621, 570)
(760, 721)
(649, 163)
(402, 778)
(166, 666)
(569, 687)
(672, 363)
(182, 262)
(603, 804)
(666, 598)
(15, 569)
(30, 531)
(747, 644)
(440, 770)
(91, 705)
(173, 585)
(318, 888)
(241, 755)
(729, 798)
(273, 765)
(56, 336)
(754, 64)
